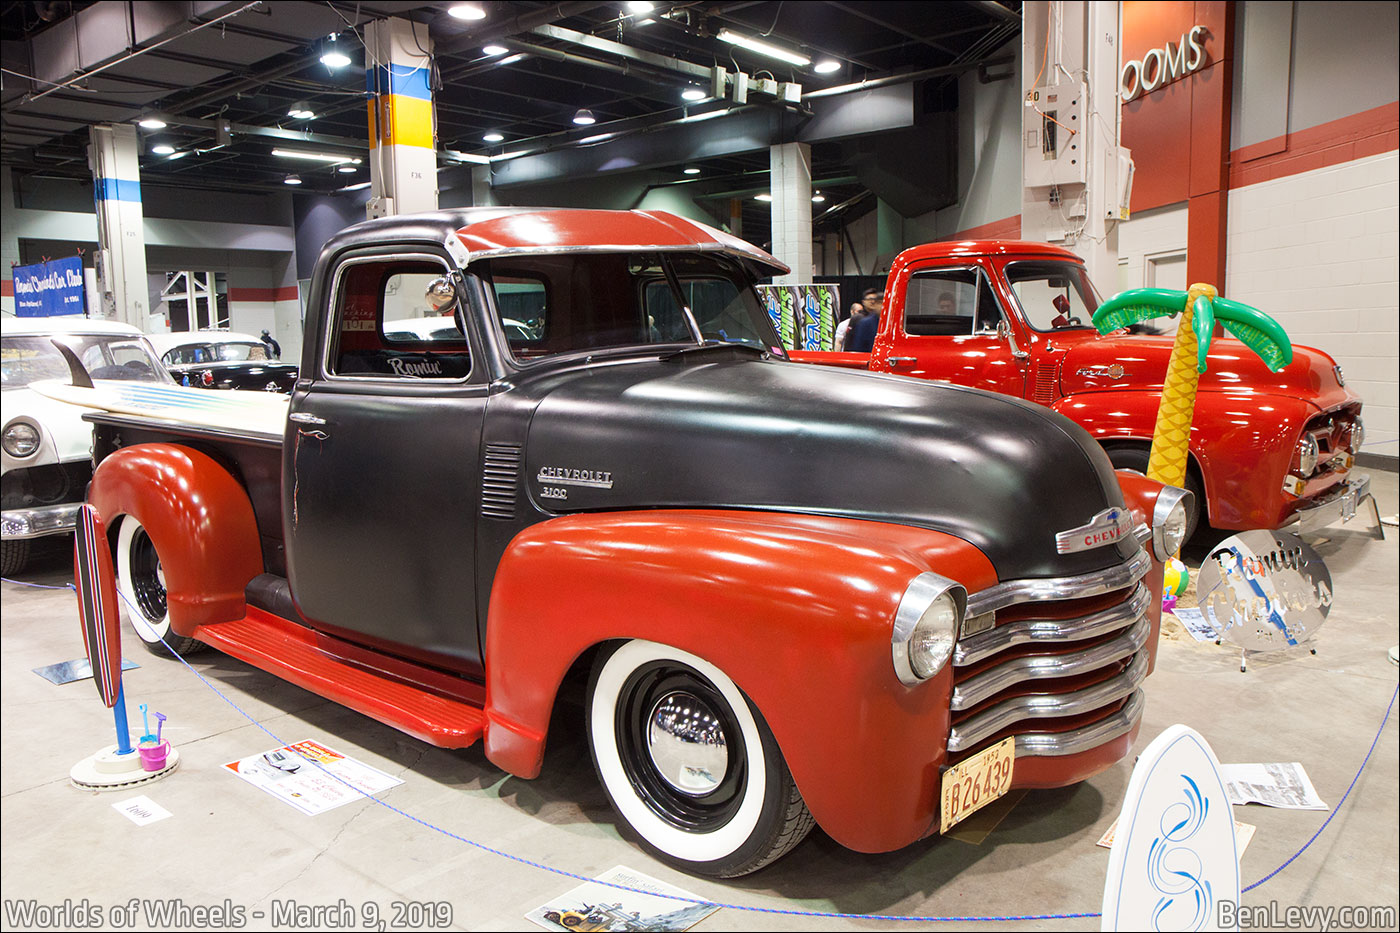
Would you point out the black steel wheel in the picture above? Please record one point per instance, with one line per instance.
(141, 582)
(689, 764)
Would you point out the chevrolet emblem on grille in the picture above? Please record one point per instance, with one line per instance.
(1103, 529)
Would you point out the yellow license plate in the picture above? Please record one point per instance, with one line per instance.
(976, 782)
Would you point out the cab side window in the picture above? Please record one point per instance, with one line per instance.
(397, 318)
(941, 303)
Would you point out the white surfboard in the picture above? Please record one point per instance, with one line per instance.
(1173, 860)
(261, 413)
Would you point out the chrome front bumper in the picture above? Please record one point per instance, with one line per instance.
(1339, 504)
(35, 523)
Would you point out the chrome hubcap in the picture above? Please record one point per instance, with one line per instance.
(686, 743)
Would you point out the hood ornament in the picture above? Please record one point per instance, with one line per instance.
(1103, 529)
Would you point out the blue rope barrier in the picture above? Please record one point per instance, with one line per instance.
(829, 915)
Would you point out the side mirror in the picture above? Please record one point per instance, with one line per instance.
(1005, 333)
(440, 295)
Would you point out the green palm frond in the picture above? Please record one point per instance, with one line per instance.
(1256, 330)
(1203, 323)
(1137, 305)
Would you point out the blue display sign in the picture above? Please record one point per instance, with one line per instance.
(50, 288)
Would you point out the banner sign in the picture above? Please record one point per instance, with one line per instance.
(50, 288)
(803, 315)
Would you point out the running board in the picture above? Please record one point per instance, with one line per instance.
(400, 694)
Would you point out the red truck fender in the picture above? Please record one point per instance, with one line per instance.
(198, 517)
(818, 667)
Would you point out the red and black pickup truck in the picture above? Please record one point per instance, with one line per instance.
(1267, 450)
(562, 470)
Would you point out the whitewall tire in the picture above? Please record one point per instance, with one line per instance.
(141, 581)
(689, 764)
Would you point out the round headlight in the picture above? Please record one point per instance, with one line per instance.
(926, 627)
(1307, 454)
(1169, 520)
(21, 440)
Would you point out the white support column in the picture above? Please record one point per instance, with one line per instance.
(113, 154)
(790, 183)
(402, 155)
(9, 242)
(1070, 155)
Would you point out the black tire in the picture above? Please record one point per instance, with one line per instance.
(1135, 458)
(717, 801)
(14, 554)
(141, 583)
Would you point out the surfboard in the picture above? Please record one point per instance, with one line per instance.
(259, 413)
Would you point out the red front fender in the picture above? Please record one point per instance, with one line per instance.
(198, 517)
(796, 610)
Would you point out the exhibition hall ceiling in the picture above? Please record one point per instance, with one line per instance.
(521, 72)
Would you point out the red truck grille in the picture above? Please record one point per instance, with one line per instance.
(1062, 675)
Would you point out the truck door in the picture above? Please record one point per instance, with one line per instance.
(947, 331)
(380, 490)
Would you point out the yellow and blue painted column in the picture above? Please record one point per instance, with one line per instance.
(403, 153)
(114, 156)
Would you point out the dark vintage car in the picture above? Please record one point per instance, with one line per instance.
(223, 360)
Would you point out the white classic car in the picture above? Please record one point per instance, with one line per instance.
(47, 447)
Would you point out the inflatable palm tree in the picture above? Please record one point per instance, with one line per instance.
(1200, 308)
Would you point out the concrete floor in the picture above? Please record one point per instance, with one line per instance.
(228, 842)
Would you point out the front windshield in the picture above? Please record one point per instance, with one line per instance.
(33, 358)
(562, 304)
(1053, 294)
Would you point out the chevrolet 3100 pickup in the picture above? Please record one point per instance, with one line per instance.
(628, 486)
(1267, 450)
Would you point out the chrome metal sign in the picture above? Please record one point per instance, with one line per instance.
(1266, 590)
(1103, 529)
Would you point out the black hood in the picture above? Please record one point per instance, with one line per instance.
(722, 431)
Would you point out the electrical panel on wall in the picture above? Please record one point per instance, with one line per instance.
(1054, 135)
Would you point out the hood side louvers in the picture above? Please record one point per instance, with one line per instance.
(500, 479)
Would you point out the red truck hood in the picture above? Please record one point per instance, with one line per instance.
(1134, 361)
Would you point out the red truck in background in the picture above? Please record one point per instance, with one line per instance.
(1268, 450)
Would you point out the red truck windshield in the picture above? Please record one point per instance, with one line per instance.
(1053, 294)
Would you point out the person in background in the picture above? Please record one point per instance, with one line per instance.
(857, 309)
(274, 349)
(860, 336)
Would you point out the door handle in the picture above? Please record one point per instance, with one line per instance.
(305, 417)
(902, 360)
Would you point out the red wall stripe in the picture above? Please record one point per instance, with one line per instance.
(1008, 228)
(285, 293)
(7, 288)
(1367, 133)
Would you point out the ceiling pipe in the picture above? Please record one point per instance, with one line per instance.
(126, 58)
(906, 77)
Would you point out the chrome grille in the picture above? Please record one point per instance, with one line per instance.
(1062, 667)
(500, 477)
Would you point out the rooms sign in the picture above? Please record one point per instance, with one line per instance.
(1161, 67)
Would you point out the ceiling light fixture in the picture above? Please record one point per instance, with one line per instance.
(162, 149)
(301, 110)
(585, 117)
(315, 156)
(763, 197)
(693, 93)
(640, 6)
(292, 180)
(826, 66)
(762, 48)
(347, 170)
(493, 138)
(331, 55)
(818, 198)
(360, 187)
(152, 122)
(494, 50)
(692, 170)
(469, 11)
(178, 155)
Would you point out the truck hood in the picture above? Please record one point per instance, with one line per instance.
(745, 433)
(1134, 361)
